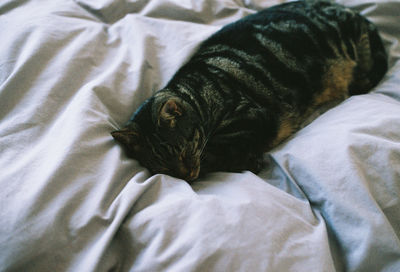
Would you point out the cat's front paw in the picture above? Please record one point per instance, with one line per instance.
(234, 163)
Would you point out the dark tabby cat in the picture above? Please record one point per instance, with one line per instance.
(251, 85)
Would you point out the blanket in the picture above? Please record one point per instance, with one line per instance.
(72, 71)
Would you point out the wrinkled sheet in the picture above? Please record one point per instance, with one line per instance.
(70, 200)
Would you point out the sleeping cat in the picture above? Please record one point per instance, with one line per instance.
(251, 85)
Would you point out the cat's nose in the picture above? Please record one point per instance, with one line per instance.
(189, 173)
(189, 169)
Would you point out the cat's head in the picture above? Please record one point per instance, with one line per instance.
(165, 136)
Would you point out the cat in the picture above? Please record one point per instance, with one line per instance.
(251, 85)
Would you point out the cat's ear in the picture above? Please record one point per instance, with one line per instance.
(128, 138)
(169, 113)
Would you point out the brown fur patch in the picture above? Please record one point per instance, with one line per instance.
(336, 81)
(286, 129)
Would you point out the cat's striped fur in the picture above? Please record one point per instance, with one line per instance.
(251, 85)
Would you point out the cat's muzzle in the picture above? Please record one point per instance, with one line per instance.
(189, 171)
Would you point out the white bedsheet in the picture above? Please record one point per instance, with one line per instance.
(70, 200)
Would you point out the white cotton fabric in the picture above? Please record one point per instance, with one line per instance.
(70, 200)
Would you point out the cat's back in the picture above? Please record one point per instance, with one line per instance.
(282, 51)
(275, 54)
(320, 19)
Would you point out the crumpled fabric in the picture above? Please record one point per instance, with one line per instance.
(70, 199)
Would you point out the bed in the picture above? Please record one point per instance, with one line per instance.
(328, 199)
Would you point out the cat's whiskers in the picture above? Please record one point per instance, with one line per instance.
(202, 149)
